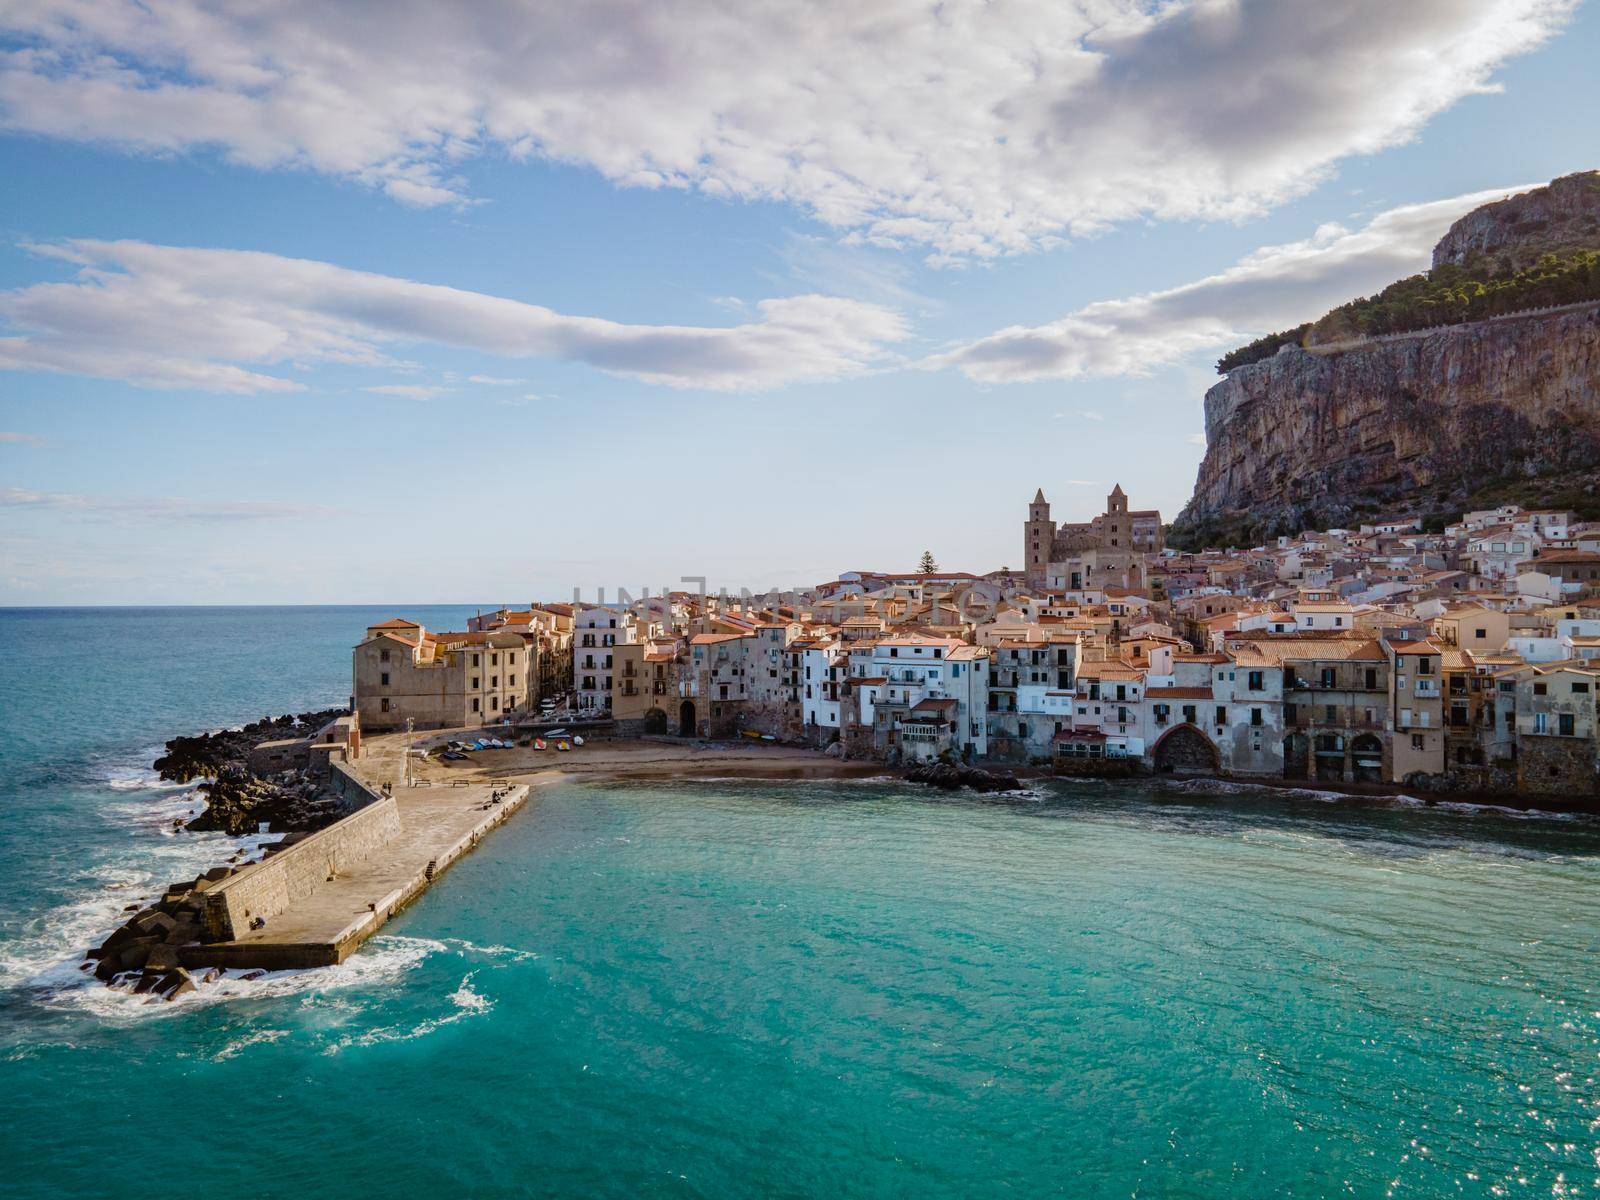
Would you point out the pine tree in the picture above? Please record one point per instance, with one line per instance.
(927, 566)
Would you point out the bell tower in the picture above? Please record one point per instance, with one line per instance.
(1038, 538)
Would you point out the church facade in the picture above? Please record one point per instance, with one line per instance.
(1108, 551)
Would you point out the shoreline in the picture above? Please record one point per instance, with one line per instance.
(646, 760)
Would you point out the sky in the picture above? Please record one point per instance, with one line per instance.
(411, 302)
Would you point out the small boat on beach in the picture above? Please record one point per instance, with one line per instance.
(577, 739)
(562, 745)
(539, 744)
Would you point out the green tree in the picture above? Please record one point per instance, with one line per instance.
(927, 566)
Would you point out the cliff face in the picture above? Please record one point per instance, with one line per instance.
(1313, 440)
(1512, 234)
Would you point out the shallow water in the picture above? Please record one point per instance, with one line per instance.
(830, 989)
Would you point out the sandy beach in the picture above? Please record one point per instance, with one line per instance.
(610, 761)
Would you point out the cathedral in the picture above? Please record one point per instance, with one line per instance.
(1108, 551)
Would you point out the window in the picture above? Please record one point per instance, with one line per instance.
(494, 660)
(1418, 742)
(1424, 665)
(474, 704)
(383, 705)
(1539, 689)
(474, 682)
(1222, 715)
(1255, 716)
(383, 656)
(474, 663)
(1372, 679)
(1330, 676)
(1580, 689)
(1330, 713)
(1254, 681)
(494, 681)
(1480, 634)
(383, 680)
(511, 681)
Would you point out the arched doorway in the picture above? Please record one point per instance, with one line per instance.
(1330, 758)
(1366, 756)
(686, 722)
(1185, 750)
(1296, 756)
(655, 721)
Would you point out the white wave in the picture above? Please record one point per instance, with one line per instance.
(258, 1038)
(466, 1003)
(381, 962)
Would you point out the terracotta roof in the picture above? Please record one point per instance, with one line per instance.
(396, 623)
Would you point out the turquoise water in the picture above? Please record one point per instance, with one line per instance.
(800, 989)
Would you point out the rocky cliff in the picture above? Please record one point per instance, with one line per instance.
(1312, 440)
(1423, 423)
(1512, 234)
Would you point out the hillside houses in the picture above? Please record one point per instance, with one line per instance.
(1457, 658)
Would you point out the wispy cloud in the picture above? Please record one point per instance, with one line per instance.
(20, 439)
(159, 508)
(971, 128)
(167, 316)
(410, 391)
(495, 381)
(1273, 288)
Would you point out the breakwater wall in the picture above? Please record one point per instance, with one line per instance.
(268, 888)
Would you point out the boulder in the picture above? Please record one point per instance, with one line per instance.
(155, 923)
(175, 983)
(161, 958)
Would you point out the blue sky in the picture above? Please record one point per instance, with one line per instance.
(1005, 245)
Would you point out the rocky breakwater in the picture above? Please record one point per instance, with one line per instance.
(1309, 440)
(239, 801)
(950, 776)
(145, 954)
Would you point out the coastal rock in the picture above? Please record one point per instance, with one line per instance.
(204, 755)
(238, 802)
(949, 777)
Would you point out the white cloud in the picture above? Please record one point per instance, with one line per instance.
(20, 439)
(974, 127)
(158, 508)
(166, 316)
(410, 391)
(1276, 287)
(494, 381)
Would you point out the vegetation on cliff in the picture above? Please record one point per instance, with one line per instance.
(1448, 294)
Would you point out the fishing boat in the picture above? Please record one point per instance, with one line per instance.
(562, 745)
(539, 744)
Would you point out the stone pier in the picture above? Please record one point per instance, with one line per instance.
(315, 902)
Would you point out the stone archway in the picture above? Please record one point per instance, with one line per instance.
(1366, 759)
(655, 721)
(1185, 750)
(687, 726)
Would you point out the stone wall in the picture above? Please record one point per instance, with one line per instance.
(267, 888)
(1556, 766)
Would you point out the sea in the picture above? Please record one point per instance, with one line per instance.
(720, 989)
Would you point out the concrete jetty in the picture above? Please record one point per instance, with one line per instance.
(315, 902)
